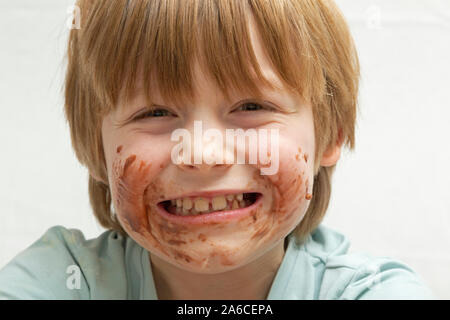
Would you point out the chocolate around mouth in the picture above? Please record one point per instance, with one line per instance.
(248, 199)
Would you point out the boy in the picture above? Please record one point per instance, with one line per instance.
(184, 226)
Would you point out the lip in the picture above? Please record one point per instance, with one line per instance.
(213, 217)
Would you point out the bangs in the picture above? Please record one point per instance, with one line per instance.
(157, 42)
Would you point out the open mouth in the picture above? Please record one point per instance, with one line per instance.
(193, 206)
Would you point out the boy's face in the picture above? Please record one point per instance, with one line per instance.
(143, 174)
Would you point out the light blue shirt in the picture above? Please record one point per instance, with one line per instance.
(62, 264)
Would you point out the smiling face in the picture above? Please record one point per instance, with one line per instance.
(144, 179)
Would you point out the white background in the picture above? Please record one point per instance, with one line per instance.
(390, 197)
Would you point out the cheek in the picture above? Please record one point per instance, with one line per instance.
(292, 181)
(290, 185)
(131, 174)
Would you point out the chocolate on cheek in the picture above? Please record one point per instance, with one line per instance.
(294, 183)
(289, 191)
(128, 190)
(131, 178)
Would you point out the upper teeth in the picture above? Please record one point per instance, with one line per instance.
(186, 206)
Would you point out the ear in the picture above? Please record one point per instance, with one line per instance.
(331, 156)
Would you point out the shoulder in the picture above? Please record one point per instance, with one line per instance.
(355, 276)
(62, 264)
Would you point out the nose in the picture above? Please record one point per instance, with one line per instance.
(204, 153)
(209, 157)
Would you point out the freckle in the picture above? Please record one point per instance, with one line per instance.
(202, 237)
(299, 150)
(128, 162)
(305, 156)
(161, 166)
(119, 148)
(308, 196)
(297, 157)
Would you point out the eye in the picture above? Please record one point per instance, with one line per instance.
(153, 113)
(252, 106)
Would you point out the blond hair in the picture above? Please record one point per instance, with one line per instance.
(307, 41)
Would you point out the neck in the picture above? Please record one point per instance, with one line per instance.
(249, 282)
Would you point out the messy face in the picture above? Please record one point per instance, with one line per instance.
(210, 217)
